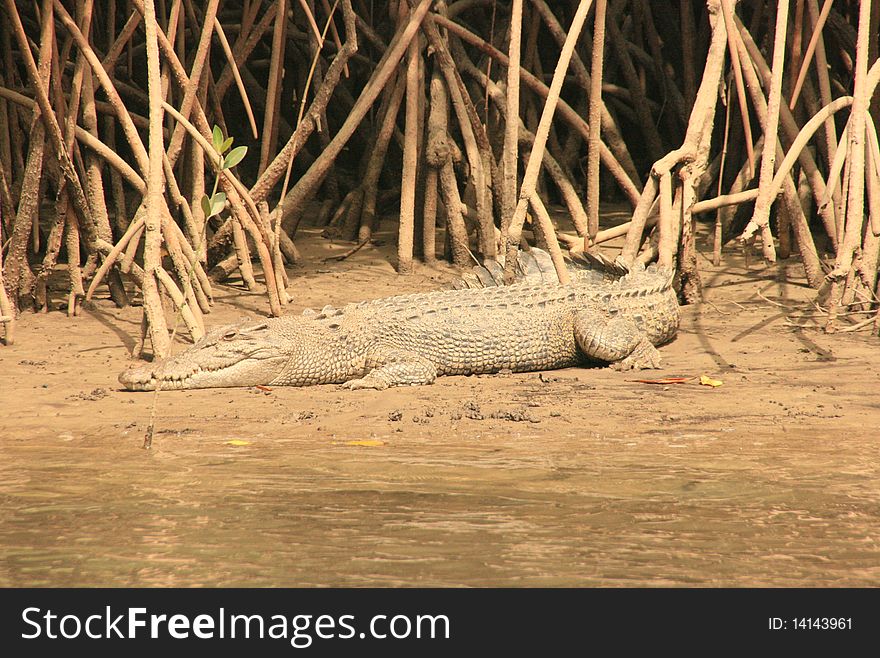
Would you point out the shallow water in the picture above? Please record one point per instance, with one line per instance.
(681, 509)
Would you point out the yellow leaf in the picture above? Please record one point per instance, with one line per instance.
(238, 442)
(708, 381)
(367, 443)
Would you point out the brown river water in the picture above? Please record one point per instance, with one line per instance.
(685, 508)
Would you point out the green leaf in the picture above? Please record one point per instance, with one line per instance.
(206, 205)
(218, 203)
(235, 156)
(226, 144)
(217, 138)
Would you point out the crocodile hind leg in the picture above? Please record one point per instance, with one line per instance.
(616, 340)
(394, 368)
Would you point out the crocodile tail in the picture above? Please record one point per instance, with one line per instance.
(536, 266)
(533, 265)
(585, 260)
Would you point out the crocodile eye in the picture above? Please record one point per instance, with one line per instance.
(229, 335)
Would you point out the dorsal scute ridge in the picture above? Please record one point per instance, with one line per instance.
(536, 265)
(593, 277)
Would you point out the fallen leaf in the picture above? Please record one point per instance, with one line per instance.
(708, 381)
(238, 442)
(662, 380)
(263, 388)
(367, 443)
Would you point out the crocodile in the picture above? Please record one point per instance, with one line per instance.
(605, 315)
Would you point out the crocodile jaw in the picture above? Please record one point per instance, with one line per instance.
(242, 354)
(171, 375)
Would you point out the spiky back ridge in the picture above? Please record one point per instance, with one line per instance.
(613, 286)
(536, 265)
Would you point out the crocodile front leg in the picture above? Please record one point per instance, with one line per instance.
(616, 340)
(394, 367)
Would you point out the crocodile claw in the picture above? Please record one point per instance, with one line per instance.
(364, 383)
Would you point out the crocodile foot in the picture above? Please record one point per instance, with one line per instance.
(644, 357)
(365, 383)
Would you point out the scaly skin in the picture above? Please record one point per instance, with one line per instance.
(412, 339)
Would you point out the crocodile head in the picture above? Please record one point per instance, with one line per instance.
(241, 354)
